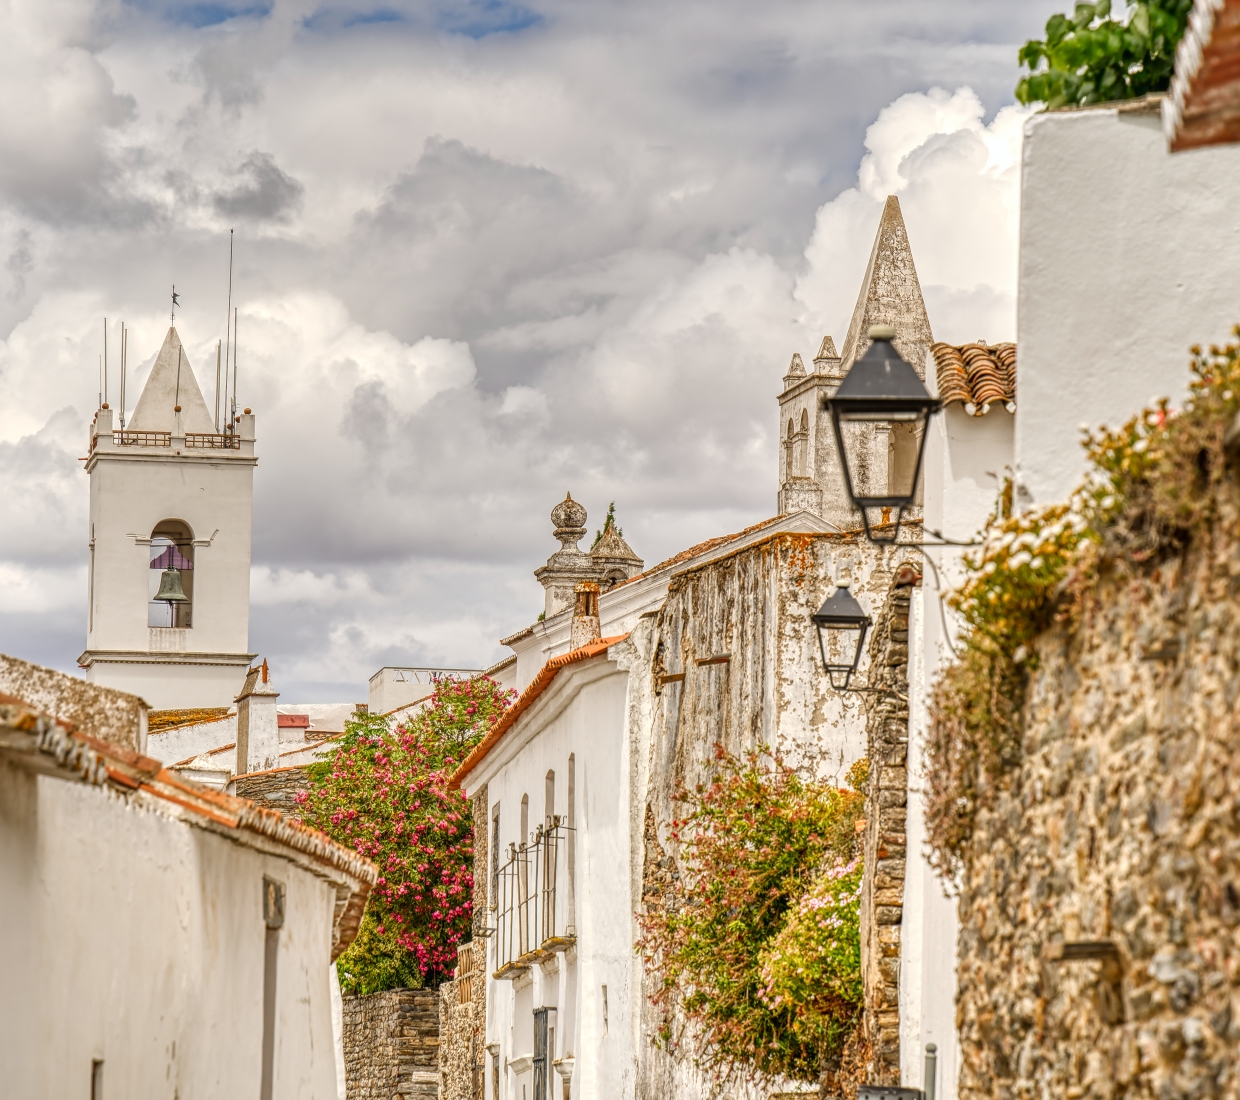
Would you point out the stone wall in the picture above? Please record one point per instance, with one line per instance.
(882, 892)
(462, 1012)
(391, 1045)
(276, 789)
(736, 661)
(1100, 906)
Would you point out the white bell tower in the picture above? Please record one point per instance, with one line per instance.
(170, 513)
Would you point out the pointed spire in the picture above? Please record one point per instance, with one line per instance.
(796, 368)
(163, 391)
(891, 295)
(827, 350)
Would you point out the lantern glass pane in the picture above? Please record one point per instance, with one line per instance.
(839, 646)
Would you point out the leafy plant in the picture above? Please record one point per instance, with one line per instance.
(752, 845)
(608, 523)
(385, 794)
(1089, 57)
(813, 964)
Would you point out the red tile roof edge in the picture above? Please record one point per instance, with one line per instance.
(536, 687)
(99, 763)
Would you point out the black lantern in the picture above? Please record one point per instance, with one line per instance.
(881, 401)
(842, 627)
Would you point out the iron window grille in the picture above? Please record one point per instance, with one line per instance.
(532, 918)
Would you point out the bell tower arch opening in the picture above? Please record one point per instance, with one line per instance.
(170, 587)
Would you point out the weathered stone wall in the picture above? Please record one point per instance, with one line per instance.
(276, 789)
(462, 1012)
(882, 892)
(736, 661)
(391, 1045)
(1100, 910)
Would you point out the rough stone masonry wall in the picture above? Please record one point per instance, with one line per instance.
(462, 1013)
(882, 892)
(391, 1045)
(276, 789)
(1118, 834)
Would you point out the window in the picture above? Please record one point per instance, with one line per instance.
(550, 800)
(96, 1079)
(170, 586)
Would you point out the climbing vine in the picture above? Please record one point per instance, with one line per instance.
(1089, 57)
(755, 952)
(1152, 486)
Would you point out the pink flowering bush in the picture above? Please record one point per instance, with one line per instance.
(813, 965)
(385, 794)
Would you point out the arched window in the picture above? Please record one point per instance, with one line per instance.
(170, 586)
(550, 799)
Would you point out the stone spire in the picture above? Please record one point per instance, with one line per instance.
(156, 407)
(827, 361)
(890, 295)
(568, 566)
(614, 558)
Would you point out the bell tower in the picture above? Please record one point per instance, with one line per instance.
(810, 475)
(170, 513)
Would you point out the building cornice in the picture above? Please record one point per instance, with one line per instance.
(161, 455)
(154, 657)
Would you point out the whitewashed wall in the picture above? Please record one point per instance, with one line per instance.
(133, 937)
(1128, 256)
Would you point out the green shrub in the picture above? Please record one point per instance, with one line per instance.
(1089, 57)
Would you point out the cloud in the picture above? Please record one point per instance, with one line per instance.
(958, 181)
(484, 253)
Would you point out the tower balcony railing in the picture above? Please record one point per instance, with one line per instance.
(534, 916)
(229, 441)
(142, 439)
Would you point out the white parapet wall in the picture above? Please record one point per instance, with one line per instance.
(1128, 256)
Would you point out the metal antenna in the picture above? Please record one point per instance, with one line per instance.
(234, 389)
(176, 301)
(101, 381)
(105, 360)
(124, 347)
(218, 344)
(227, 322)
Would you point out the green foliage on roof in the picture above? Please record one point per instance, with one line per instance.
(608, 524)
(1089, 57)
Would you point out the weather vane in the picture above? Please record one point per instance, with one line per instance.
(176, 301)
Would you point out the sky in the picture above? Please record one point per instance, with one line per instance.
(486, 252)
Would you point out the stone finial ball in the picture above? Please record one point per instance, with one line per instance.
(568, 513)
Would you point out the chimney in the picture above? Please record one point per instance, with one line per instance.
(258, 733)
(585, 628)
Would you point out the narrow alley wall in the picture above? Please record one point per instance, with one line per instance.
(1100, 906)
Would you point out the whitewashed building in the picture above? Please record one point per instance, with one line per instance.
(627, 683)
(169, 575)
(160, 939)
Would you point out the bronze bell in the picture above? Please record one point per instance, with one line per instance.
(170, 587)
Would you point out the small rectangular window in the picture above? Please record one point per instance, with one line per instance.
(96, 1079)
(495, 856)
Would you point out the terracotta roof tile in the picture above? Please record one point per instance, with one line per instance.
(976, 375)
(537, 686)
(160, 721)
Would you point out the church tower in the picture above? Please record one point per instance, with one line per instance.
(170, 514)
(810, 475)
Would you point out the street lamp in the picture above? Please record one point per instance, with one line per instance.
(842, 627)
(881, 389)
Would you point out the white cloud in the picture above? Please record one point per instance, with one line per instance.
(473, 270)
(958, 181)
